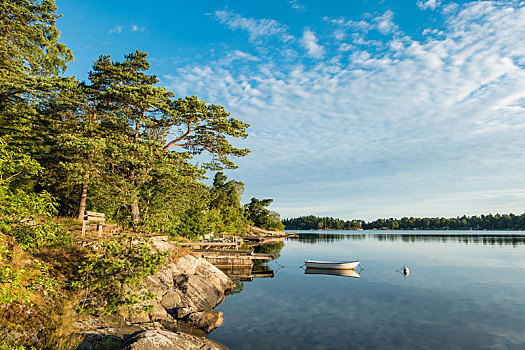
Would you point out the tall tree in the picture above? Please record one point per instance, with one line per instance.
(76, 142)
(144, 124)
(226, 212)
(260, 216)
(134, 108)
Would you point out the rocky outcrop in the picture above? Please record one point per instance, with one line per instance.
(187, 290)
(188, 286)
(165, 340)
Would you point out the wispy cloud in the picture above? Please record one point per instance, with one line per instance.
(310, 43)
(258, 29)
(416, 119)
(115, 30)
(237, 55)
(119, 29)
(382, 23)
(296, 5)
(136, 28)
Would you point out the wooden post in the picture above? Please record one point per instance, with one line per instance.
(83, 228)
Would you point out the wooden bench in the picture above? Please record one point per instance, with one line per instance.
(94, 221)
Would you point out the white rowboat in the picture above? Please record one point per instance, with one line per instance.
(346, 265)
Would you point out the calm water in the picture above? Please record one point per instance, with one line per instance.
(464, 292)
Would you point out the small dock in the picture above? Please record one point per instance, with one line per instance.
(203, 245)
(229, 258)
(234, 255)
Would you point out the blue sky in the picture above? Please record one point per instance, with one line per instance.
(358, 108)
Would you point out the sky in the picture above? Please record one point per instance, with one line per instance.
(358, 108)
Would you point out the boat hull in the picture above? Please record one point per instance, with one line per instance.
(347, 265)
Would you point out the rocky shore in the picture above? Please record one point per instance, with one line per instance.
(187, 290)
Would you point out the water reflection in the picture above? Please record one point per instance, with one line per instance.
(314, 238)
(258, 269)
(271, 248)
(437, 237)
(332, 272)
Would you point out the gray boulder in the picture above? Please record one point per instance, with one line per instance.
(166, 340)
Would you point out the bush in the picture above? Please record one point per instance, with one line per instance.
(113, 276)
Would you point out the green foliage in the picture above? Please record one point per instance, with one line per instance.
(226, 213)
(27, 217)
(12, 280)
(29, 38)
(18, 281)
(113, 276)
(261, 217)
(203, 127)
(194, 224)
(311, 222)
(32, 59)
(170, 205)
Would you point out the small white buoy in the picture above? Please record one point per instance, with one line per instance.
(406, 271)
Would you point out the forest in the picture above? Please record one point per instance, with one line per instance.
(482, 222)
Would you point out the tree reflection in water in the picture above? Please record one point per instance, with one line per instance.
(441, 237)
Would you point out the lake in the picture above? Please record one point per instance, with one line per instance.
(465, 290)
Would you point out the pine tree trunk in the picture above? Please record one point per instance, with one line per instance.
(83, 197)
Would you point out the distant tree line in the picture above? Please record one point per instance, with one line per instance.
(311, 222)
(482, 222)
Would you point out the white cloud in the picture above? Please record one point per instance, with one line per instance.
(309, 42)
(296, 5)
(429, 31)
(257, 29)
(136, 28)
(339, 35)
(115, 30)
(429, 4)
(119, 29)
(345, 47)
(406, 124)
(237, 55)
(383, 23)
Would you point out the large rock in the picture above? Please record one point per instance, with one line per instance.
(166, 340)
(190, 285)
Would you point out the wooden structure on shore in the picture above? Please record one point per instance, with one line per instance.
(94, 221)
(237, 263)
(226, 252)
(230, 258)
(202, 245)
